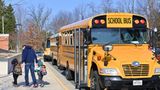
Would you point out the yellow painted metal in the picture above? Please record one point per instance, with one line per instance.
(125, 54)
(87, 23)
(119, 21)
(47, 51)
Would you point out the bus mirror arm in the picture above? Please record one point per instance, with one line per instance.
(109, 55)
(113, 57)
(87, 42)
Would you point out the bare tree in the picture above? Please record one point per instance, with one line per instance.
(150, 9)
(92, 9)
(126, 6)
(80, 12)
(61, 19)
(120, 6)
(40, 16)
(21, 14)
(106, 6)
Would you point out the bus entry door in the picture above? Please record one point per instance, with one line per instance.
(80, 63)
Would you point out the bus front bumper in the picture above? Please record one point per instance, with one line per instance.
(118, 82)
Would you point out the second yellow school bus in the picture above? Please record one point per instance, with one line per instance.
(108, 51)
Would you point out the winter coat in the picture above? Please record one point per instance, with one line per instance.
(29, 55)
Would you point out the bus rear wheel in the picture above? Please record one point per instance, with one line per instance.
(68, 73)
(95, 81)
(53, 62)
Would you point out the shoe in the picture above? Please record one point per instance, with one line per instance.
(35, 85)
(15, 85)
(26, 85)
(42, 85)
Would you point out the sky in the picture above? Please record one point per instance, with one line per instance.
(55, 5)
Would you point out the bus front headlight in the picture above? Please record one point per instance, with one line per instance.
(109, 71)
(157, 71)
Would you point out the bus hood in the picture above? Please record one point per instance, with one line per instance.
(127, 54)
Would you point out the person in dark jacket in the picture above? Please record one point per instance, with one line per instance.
(29, 58)
(14, 62)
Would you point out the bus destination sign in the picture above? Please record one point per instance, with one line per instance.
(119, 21)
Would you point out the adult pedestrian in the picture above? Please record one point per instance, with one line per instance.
(29, 58)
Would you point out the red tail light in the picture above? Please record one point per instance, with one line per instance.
(96, 21)
(142, 21)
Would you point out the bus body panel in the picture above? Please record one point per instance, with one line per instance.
(123, 56)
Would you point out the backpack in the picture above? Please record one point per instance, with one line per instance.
(17, 69)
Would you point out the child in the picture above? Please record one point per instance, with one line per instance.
(41, 71)
(16, 71)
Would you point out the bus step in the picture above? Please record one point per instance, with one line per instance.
(83, 85)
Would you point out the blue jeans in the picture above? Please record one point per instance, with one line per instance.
(30, 66)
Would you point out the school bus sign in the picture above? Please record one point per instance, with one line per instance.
(119, 21)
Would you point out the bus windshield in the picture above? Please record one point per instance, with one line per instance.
(119, 36)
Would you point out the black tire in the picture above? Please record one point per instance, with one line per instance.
(68, 74)
(156, 88)
(84, 89)
(95, 81)
(44, 58)
(50, 59)
(60, 67)
(53, 62)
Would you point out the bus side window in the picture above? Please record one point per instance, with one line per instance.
(65, 37)
(71, 35)
(87, 36)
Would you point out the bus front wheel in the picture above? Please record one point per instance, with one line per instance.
(95, 81)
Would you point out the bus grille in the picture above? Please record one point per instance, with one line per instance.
(141, 70)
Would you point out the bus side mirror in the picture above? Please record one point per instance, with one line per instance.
(87, 37)
(157, 54)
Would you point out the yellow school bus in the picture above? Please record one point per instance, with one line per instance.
(47, 52)
(108, 51)
(54, 47)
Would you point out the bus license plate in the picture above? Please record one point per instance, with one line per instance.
(137, 83)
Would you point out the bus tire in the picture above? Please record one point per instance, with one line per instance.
(68, 74)
(84, 88)
(60, 67)
(95, 81)
(53, 62)
(157, 88)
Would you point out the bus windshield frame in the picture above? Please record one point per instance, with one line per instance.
(119, 35)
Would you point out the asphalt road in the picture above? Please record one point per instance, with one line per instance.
(72, 82)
